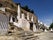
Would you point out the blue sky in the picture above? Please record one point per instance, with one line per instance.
(42, 8)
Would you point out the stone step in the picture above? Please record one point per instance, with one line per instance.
(29, 37)
(25, 34)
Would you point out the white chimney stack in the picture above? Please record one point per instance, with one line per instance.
(27, 16)
(23, 17)
(32, 18)
(11, 20)
(18, 12)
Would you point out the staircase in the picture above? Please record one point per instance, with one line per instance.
(21, 34)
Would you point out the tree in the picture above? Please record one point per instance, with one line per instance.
(42, 27)
(27, 9)
(32, 11)
(51, 26)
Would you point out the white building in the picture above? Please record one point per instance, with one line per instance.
(16, 16)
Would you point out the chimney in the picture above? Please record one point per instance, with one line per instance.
(18, 12)
(32, 18)
(23, 17)
(27, 16)
(11, 20)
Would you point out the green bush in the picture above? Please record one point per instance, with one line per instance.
(51, 26)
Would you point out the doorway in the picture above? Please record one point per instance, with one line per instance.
(31, 26)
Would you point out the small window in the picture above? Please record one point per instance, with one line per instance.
(17, 20)
(0, 5)
(6, 10)
(13, 19)
(25, 17)
(31, 26)
(12, 28)
(9, 32)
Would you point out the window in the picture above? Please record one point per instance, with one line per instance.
(0, 5)
(31, 26)
(13, 19)
(12, 28)
(25, 17)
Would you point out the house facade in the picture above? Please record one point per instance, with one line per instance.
(12, 13)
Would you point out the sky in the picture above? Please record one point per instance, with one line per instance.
(43, 9)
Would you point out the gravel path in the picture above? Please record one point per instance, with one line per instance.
(46, 36)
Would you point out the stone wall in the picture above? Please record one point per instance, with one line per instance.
(3, 24)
